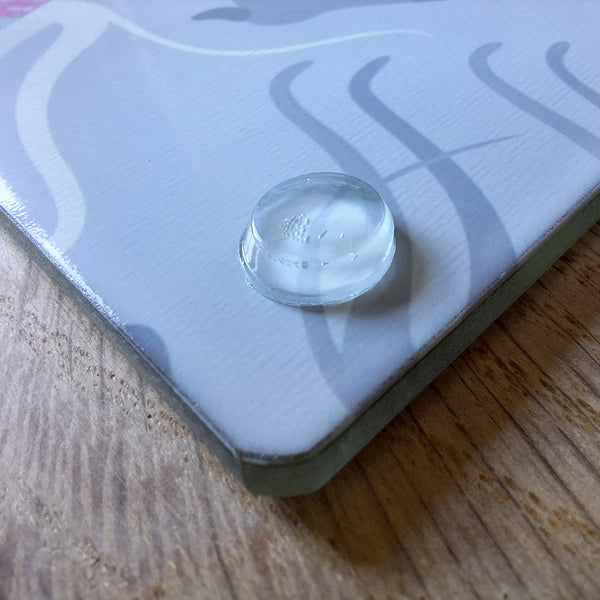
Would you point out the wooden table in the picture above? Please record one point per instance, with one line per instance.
(487, 486)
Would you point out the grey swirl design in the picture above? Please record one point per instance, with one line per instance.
(276, 12)
(329, 359)
(461, 150)
(344, 154)
(490, 247)
(555, 57)
(478, 62)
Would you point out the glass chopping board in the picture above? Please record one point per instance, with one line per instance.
(136, 137)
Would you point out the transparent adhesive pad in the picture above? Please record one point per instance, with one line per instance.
(321, 238)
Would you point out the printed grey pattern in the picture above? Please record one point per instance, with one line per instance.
(490, 247)
(265, 12)
(555, 57)
(479, 62)
(420, 164)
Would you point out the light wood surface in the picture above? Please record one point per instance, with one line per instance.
(487, 486)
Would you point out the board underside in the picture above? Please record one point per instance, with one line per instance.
(137, 137)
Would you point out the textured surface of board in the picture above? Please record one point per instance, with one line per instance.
(136, 139)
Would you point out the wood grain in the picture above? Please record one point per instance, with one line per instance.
(487, 486)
